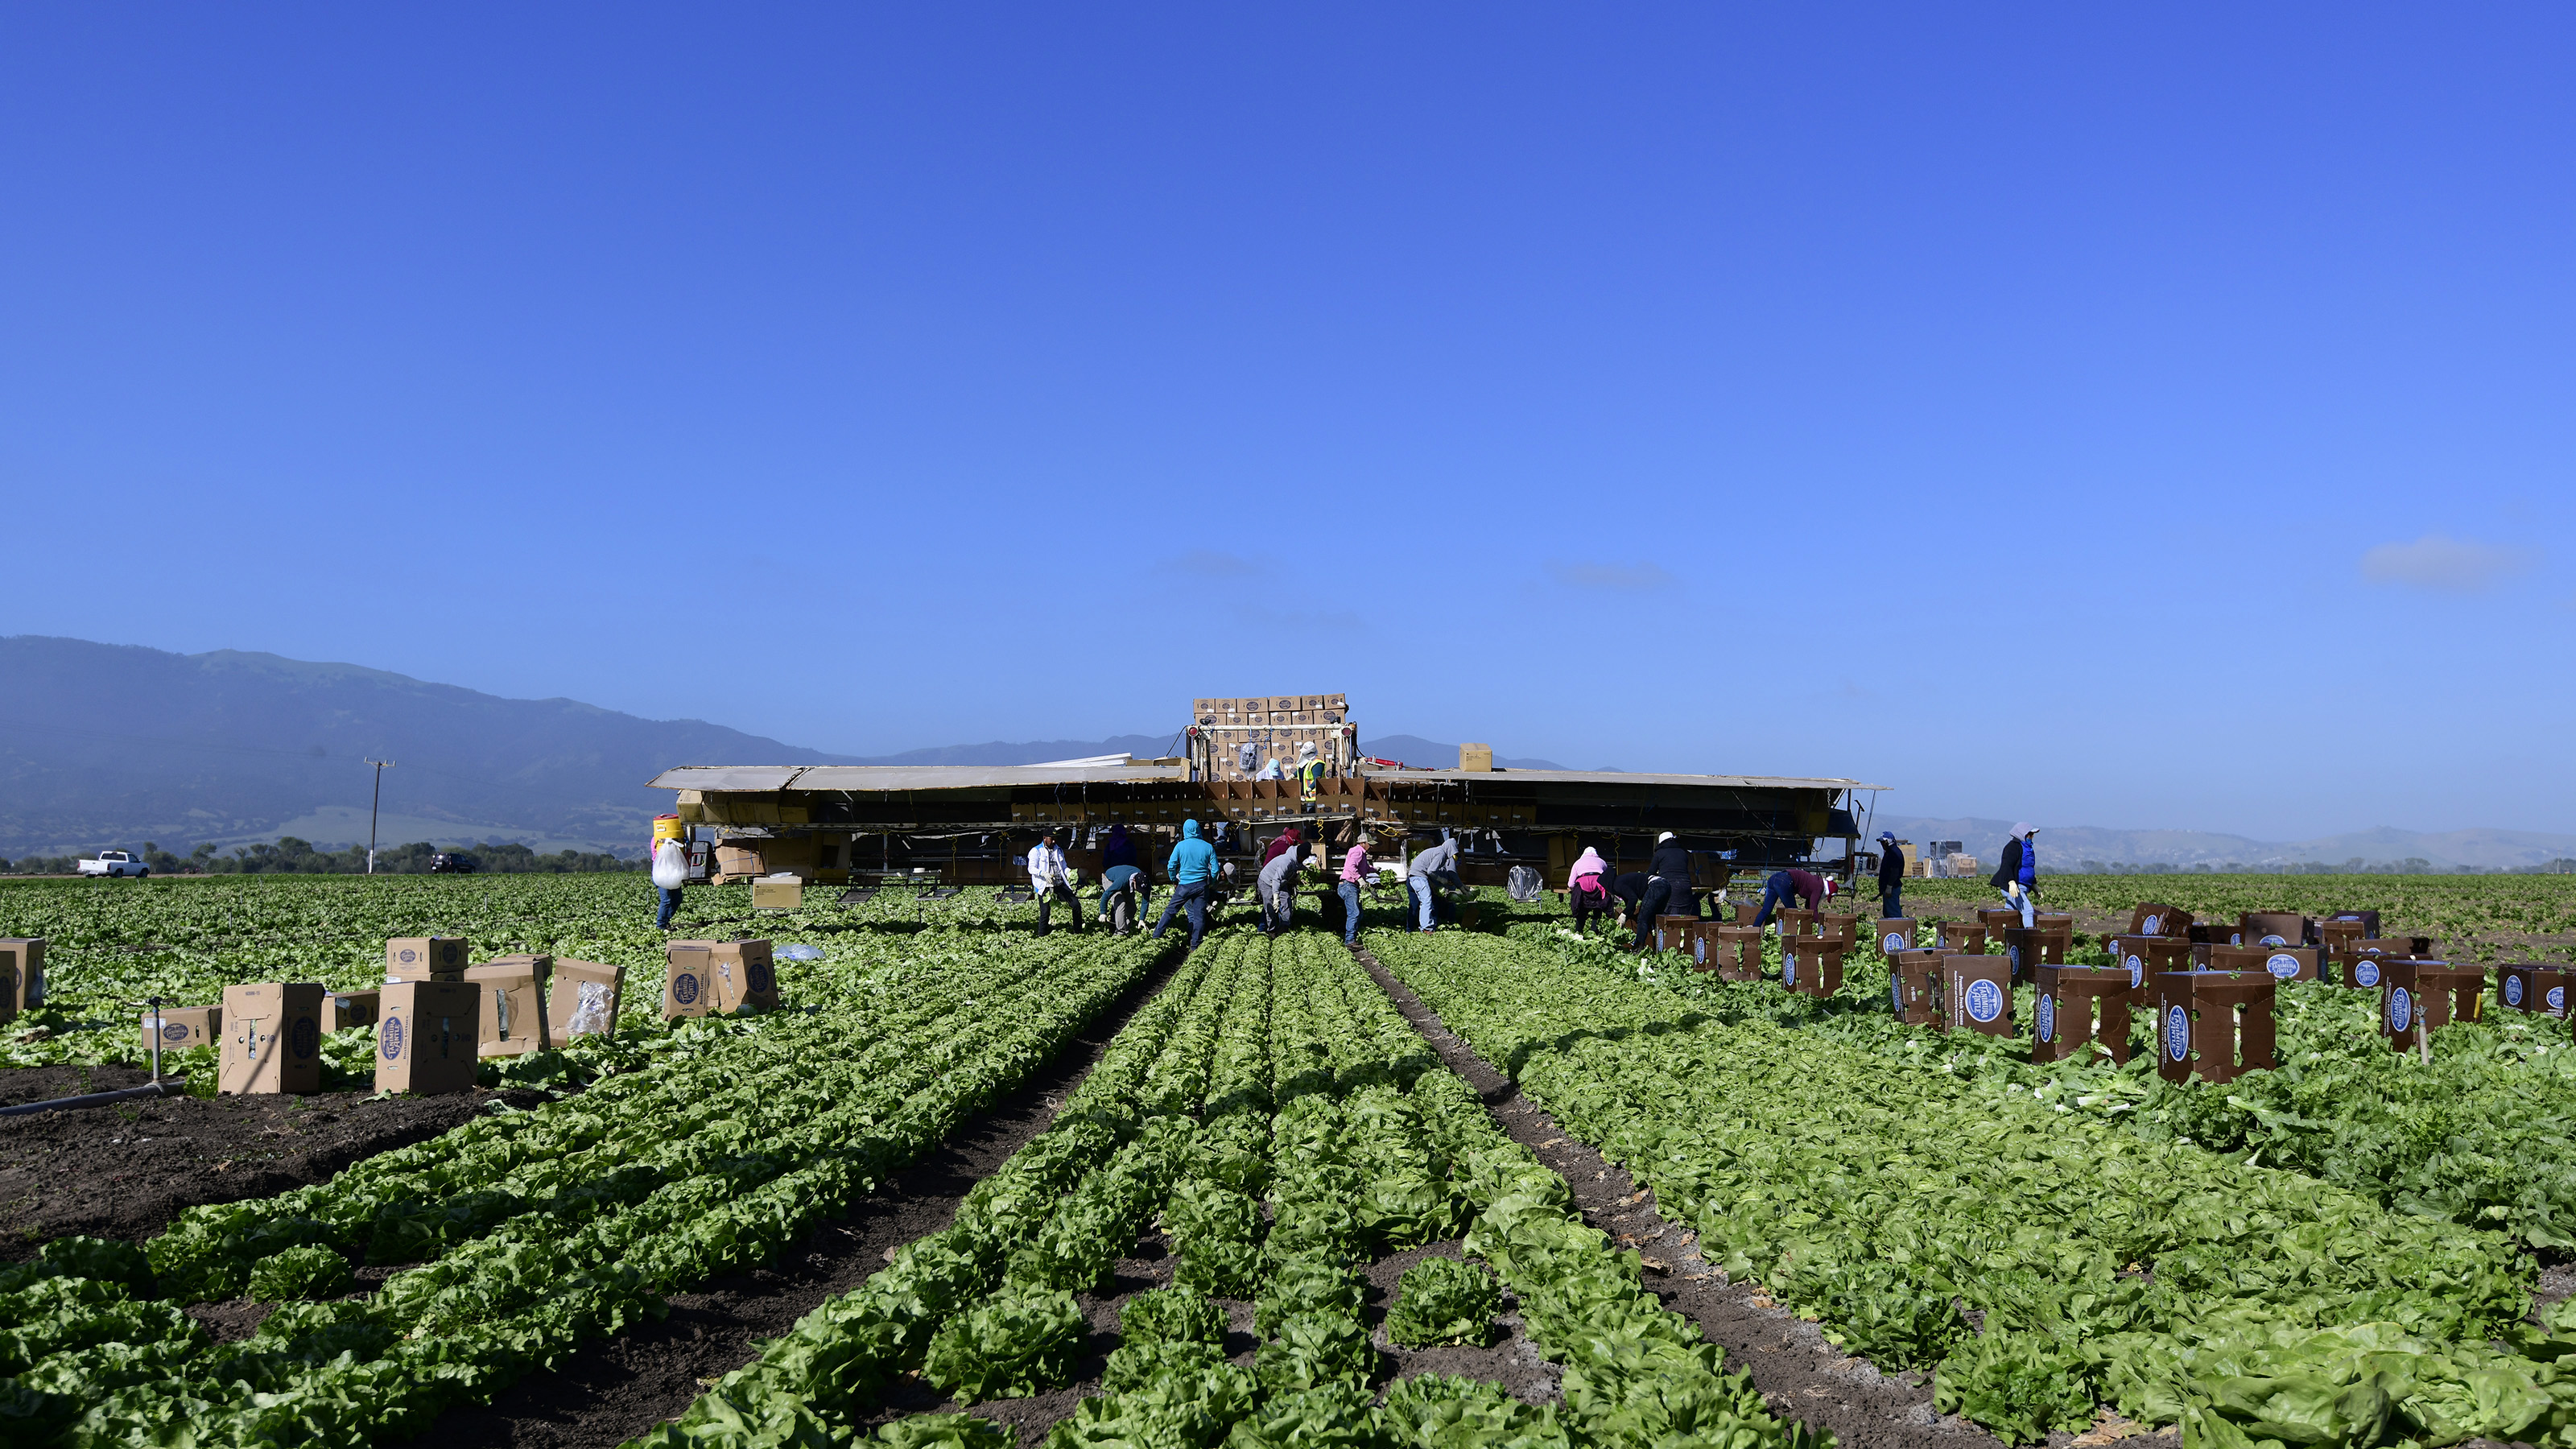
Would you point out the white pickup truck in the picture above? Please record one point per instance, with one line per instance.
(112, 862)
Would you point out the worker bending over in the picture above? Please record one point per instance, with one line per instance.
(1588, 887)
(1192, 869)
(1277, 887)
(1129, 883)
(1668, 889)
(1426, 872)
(1050, 877)
(1803, 889)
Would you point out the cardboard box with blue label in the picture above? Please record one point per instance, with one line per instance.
(342, 1010)
(183, 1026)
(739, 977)
(425, 958)
(272, 1038)
(426, 1041)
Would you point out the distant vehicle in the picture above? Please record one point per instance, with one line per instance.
(113, 863)
(453, 862)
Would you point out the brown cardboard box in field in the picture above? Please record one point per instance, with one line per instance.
(25, 966)
(184, 1026)
(584, 1000)
(272, 1038)
(425, 958)
(777, 895)
(689, 986)
(342, 1010)
(745, 978)
(511, 1005)
(425, 1043)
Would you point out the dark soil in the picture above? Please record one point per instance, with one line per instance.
(1799, 1373)
(616, 1389)
(125, 1170)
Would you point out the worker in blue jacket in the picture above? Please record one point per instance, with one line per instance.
(2017, 875)
(1192, 869)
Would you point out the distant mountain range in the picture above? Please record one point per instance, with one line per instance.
(2068, 847)
(106, 745)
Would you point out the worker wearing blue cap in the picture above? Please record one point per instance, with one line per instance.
(1891, 877)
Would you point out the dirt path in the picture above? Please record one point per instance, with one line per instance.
(1799, 1373)
(615, 1389)
(127, 1169)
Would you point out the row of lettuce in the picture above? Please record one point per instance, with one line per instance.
(522, 1235)
(1285, 1126)
(2476, 1135)
(2047, 1261)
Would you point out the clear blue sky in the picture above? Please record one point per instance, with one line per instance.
(2125, 415)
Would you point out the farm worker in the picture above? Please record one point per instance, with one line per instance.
(1427, 868)
(1668, 893)
(1804, 889)
(1891, 877)
(1631, 891)
(1192, 869)
(1117, 849)
(1310, 771)
(1588, 886)
(1051, 877)
(670, 872)
(2018, 874)
(1355, 872)
(1125, 880)
(1277, 887)
(1284, 842)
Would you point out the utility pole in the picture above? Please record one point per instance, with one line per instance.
(378, 804)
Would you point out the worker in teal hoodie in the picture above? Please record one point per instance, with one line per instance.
(1193, 869)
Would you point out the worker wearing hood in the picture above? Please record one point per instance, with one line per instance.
(1668, 893)
(1587, 885)
(1116, 849)
(2018, 874)
(1891, 877)
(1192, 868)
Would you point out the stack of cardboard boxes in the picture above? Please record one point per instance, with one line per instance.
(718, 976)
(430, 1022)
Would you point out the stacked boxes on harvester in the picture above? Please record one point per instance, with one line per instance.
(22, 974)
(426, 1036)
(1976, 993)
(272, 1038)
(510, 1005)
(2216, 1023)
(2541, 990)
(2078, 1004)
(726, 976)
(584, 1000)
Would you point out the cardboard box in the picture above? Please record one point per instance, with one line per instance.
(2281, 963)
(511, 1005)
(746, 980)
(185, 1026)
(425, 958)
(426, 1042)
(1476, 757)
(777, 895)
(689, 985)
(2271, 928)
(25, 965)
(584, 1000)
(1976, 994)
(342, 1010)
(272, 1038)
(2534, 988)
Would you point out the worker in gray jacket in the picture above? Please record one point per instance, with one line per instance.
(1427, 871)
(1277, 885)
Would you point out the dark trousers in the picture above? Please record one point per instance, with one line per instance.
(1659, 902)
(670, 903)
(1891, 903)
(1772, 895)
(1046, 903)
(1194, 896)
(1589, 907)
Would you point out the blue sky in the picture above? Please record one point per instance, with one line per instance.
(2138, 416)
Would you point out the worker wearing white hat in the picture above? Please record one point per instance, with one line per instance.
(2018, 875)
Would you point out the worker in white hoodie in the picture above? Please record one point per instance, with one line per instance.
(1052, 878)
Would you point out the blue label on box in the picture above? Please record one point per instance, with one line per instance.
(1984, 1000)
(2048, 1018)
(2284, 966)
(2178, 1033)
(389, 1038)
(684, 988)
(2401, 1009)
(2513, 991)
(2366, 971)
(305, 1038)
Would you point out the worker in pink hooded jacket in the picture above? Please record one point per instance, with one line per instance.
(1588, 886)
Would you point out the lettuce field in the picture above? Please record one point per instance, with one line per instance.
(1253, 1195)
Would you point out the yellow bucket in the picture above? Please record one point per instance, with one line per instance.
(668, 827)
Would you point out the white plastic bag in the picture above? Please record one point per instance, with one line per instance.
(670, 866)
(590, 1010)
(1524, 884)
